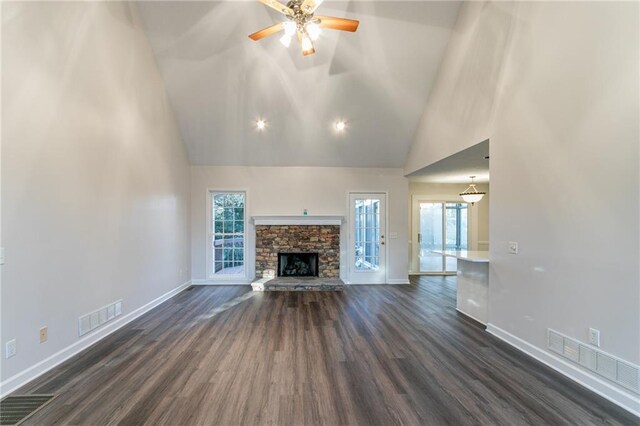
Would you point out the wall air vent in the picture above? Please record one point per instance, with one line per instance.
(556, 342)
(618, 371)
(95, 319)
(628, 375)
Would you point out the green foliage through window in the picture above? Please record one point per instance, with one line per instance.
(228, 232)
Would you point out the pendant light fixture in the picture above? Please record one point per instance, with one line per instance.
(471, 194)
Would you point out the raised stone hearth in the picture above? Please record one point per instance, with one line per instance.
(298, 284)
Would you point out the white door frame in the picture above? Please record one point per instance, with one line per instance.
(351, 273)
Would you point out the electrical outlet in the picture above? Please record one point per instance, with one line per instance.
(44, 334)
(10, 348)
(513, 247)
(594, 337)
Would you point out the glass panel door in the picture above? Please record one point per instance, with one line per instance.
(442, 226)
(367, 252)
(430, 237)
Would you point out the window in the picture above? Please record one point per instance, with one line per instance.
(228, 224)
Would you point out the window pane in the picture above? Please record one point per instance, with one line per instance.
(238, 254)
(367, 233)
(218, 213)
(238, 214)
(235, 200)
(228, 227)
(228, 213)
(218, 227)
(238, 227)
(218, 200)
(227, 253)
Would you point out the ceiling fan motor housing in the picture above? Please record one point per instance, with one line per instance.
(299, 16)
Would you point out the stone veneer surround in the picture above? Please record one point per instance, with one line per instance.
(321, 239)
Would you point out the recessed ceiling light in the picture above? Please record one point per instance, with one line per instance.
(261, 124)
(341, 125)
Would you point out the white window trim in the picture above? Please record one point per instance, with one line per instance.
(213, 278)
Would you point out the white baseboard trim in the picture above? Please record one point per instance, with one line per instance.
(25, 376)
(472, 317)
(398, 281)
(618, 396)
(220, 282)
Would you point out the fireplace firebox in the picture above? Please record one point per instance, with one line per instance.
(298, 264)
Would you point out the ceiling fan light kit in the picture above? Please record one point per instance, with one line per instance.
(302, 21)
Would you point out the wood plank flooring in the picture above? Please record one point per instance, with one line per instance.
(371, 355)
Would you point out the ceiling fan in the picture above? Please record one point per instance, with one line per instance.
(302, 22)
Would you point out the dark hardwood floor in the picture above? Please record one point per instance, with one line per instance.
(371, 355)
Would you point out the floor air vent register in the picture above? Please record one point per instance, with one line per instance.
(15, 409)
(621, 372)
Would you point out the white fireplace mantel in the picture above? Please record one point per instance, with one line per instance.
(298, 220)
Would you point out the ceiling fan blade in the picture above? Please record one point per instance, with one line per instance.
(310, 6)
(266, 32)
(278, 6)
(341, 24)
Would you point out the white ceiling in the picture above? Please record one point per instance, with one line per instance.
(458, 167)
(220, 82)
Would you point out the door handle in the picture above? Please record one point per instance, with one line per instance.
(419, 238)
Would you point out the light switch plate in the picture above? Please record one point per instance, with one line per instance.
(594, 337)
(10, 348)
(513, 247)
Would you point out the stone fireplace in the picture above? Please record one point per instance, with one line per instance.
(295, 243)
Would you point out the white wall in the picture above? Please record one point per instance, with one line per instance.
(461, 106)
(273, 191)
(478, 220)
(564, 168)
(95, 181)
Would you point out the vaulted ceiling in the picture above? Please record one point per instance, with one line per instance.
(220, 82)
